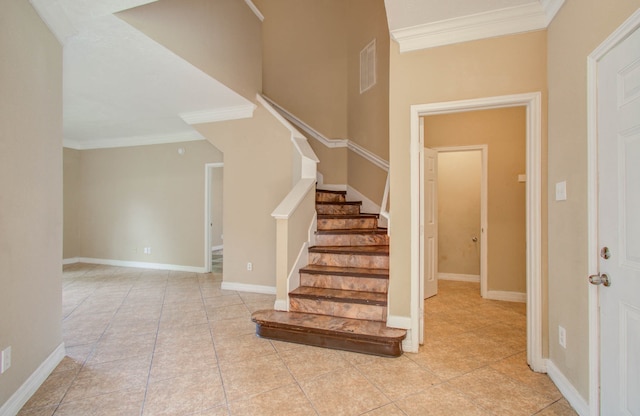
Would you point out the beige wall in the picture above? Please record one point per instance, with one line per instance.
(504, 131)
(30, 192)
(459, 179)
(144, 196)
(311, 64)
(305, 60)
(252, 148)
(71, 202)
(222, 37)
(577, 30)
(491, 67)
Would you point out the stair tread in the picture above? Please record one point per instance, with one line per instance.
(356, 328)
(338, 202)
(345, 271)
(340, 295)
(346, 216)
(354, 231)
(363, 250)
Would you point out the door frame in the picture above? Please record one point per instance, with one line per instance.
(484, 201)
(533, 105)
(208, 192)
(593, 256)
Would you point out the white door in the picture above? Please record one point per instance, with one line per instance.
(430, 223)
(619, 227)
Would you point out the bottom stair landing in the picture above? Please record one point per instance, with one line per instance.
(369, 337)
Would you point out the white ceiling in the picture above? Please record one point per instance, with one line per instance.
(121, 88)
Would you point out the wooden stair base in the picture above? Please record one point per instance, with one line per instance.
(369, 337)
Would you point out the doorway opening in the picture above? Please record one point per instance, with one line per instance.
(213, 235)
(533, 109)
(462, 214)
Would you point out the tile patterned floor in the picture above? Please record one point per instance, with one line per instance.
(144, 342)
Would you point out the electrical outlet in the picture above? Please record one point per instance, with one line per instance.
(561, 191)
(249, 266)
(562, 337)
(5, 360)
(147, 250)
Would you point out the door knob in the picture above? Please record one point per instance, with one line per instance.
(597, 279)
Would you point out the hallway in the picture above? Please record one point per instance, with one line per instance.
(150, 342)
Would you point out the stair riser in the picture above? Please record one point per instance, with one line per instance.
(386, 349)
(347, 224)
(350, 260)
(329, 197)
(338, 209)
(344, 310)
(345, 240)
(365, 284)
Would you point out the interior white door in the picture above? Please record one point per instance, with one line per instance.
(430, 223)
(619, 227)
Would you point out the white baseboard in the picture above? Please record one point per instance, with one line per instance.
(72, 260)
(33, 383)
(216, 248)
(506, 296)
(332, 187)
(243, 287)
(475, 278)
(570, 393)
(140, 265)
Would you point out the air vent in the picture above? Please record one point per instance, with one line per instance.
(368, 67)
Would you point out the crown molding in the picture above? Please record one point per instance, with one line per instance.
(132, 141)
(219, 114)
(508, 21)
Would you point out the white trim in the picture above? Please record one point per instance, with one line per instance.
(208, 170)
(72, 260)
(33, 383)
(370, 156)
(281, 305)
(484, 209)
(506, 296)
(532, 103)
(569, 392)
(631, 24)
(474, 278)
(403, 322)
(368, 206)
(189, 136)
(289, 204)
(519, 19)
(219, 114)
(243, 287)
(216, 248)
(142, 265)
(332, 187)
(331, 143)
(255, 10)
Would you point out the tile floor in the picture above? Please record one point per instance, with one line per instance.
(145, 342)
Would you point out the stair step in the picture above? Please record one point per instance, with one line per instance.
(357, 237)
(342, 303)
(323, 195)
(345, 278)
(338, 295)
(339, 208)
(347, 222)
(369, 337)
(350, 256)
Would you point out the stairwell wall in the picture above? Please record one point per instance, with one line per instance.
(222, 38)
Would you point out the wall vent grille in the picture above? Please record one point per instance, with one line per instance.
(368, 67)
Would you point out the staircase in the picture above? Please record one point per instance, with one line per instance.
(342, 299)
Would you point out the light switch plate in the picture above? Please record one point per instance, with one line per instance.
(561, 191)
